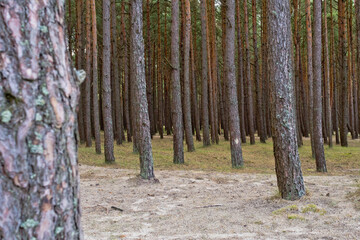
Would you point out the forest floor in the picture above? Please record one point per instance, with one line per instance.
(218, 202)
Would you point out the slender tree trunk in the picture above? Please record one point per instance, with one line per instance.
(137, 60)
(126, 75)
(357, 15)
(194, 92)
(115, 64)
(318, 138)
(327, 78)
(149, 67)
(334, 77)
(229, 64)
(248, 91)
(204, 74)
(159, 77)
(224, 87)
(79, 65)
(343, 74)
(176, 89)
(310, 74)
(187, 104)
(106, 86)
(95, 80)
(259, 117)
(39, 184)
(287, 162)
(87, 93)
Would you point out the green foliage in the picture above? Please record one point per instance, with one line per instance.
(290, 208)
(295, 217)
(313, 208)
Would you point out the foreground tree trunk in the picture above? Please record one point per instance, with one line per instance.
(287, 162)
(176, 88)
(317, 103)
(229, 64)
(138, 72)
(106, 86)
(39, 180)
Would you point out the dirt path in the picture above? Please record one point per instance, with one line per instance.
(210, 205)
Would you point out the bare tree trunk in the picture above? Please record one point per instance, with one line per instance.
(176, 89)
(39, 184)
(87, 93)
(106, 86)
(318, 137)
(248, 92)
(327, 78)
(187, 104)
(138, 74)
(259, 117)
(194, 92)
(343, 74)
(159, 76)
(240, 82)
(287, 162)
(95, 80)
(204, 98)
(126, 75)
(229, 64)
(310, 74)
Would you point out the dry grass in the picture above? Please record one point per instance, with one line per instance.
(258, 158)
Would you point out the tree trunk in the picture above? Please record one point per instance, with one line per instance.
(327, 78)
(187, 104)
(287, 162)
(95, 80)
(115, 64)
(138, 71)
(87, 93)
(39, 184)
(126, 75)
(248, 92)
(106, 86)
(343, 74)
(204, 75)
(159, 77)
(229, 64)
(310, 74)
(259, 117)
(176, 88)
(317, 114)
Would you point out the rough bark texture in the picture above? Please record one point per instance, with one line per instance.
(287, 162)
(148, 73)
(229, 64)
(318, 136)
(187, 103)
(176, 88)
(204, 76)
(343, 75)
(159, 77)
(106, 86)
(248, 90)
(95, 80)
(39, 180)
(138, 71)
(357, 16)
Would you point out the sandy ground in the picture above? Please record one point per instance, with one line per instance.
(211, 205)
